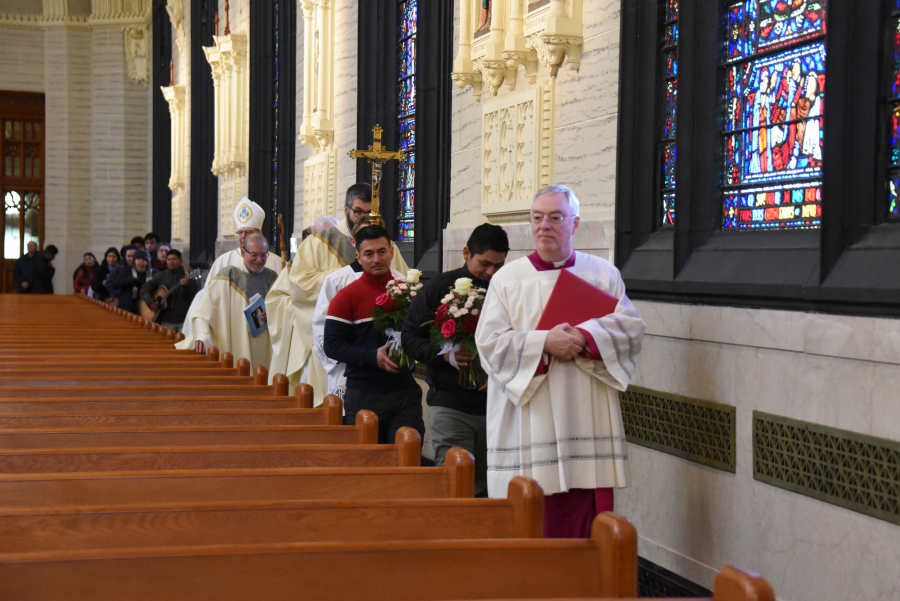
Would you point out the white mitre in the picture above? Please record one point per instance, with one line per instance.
(248, 214)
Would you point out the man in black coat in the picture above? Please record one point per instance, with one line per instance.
(43, 271)
(125, 281)
(456, 415)
(179, 302)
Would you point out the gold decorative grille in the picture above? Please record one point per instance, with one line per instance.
(701, 431)
(854, 471)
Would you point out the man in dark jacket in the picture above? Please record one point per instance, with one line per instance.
(456, 415)
(43, 271)
(179, 302)
(125, 281)
(23, 272)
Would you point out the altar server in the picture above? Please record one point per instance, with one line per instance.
(553, 405)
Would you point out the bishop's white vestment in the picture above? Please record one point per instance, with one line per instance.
(232, 258)
(219, 319)
(563, 428)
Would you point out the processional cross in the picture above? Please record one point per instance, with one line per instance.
(377, 156)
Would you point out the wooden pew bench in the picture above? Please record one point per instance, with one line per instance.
(99, 527)
(143, 401)
(603, 566)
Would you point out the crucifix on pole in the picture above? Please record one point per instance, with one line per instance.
(377, 156)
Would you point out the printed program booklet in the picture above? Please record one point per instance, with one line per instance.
(252, 313)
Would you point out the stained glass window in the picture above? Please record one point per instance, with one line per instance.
(406, 118)
(773, 114)
(893, 108)
(667, 147)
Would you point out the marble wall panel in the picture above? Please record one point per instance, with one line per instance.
(22, 60)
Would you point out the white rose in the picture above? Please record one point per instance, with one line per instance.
(413, 293)
(413, 275)
(469, 303)
(463, 312)
(474, 311)
(403, 286)
(462, 285)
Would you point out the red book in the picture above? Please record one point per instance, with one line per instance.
(574, 301)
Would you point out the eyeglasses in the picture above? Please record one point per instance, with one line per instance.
(359, 212)
(255, 256)
(555, 219)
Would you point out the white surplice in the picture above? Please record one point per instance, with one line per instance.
(563, 428)
(333, 283)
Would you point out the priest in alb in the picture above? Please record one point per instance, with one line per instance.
(553, 397)
(248, 219)
(219, 319)
(292, 300)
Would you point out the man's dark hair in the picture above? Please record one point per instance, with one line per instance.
(151, 236)
(137, 240)
(361, 191)
(371, 232)
(487, 237)
(52, 250)
(305, 234)
(174, 253)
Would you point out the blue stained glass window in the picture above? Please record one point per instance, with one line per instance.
(774, 114)
(893, 108)
(406, 118)
(669, 101)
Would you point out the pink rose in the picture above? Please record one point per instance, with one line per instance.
(382, 300)
(448, 329)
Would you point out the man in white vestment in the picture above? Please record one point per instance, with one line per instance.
(334, 282)
(248, 219)
(292, 300)
(553, 406)
(219, 319)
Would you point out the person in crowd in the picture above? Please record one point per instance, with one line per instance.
(127, 279)
(84, 275)
(553, 408)
(98, 285)
(42, 277)
(305, 234)
(137, 242)
(173, 278)
(248, 219)
(219, 319)
(151, 244)
(374, 382)
(292, 300)
(23, 272)
(159, 258)
(127, 254)
(456, 415)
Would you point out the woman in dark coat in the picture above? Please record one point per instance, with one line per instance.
(110, 259)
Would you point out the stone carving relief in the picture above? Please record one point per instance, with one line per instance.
(175, 8)
(517, 150)
(516, 36)
(137, 54)
(175, 96)
(319, 185)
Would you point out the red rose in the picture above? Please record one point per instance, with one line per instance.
(381, 300)
(440, 315)
(389, 305)
(448, 329)
(470, 324)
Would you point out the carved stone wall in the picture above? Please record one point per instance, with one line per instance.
(319, 183)
(175, 96)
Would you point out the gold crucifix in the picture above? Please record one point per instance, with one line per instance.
(377, 156)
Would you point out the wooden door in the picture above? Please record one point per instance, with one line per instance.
(21, 178)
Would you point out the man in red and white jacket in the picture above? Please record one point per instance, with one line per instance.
(374, 382)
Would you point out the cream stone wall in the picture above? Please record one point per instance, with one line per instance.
(97, 171)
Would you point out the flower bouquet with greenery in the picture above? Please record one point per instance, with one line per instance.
(454, 328)
(390, 311)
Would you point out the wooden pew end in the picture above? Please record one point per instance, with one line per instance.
(527, 498)
(280, 382)
(735, 584)
(461, 464)
(243, 367)
(367, 425)
(409, 447)
(213, 353)
(261, 375)
(333, 405)
(179, 337)
(305, 399)
(619, 570)
(170, 335)
(227, 360)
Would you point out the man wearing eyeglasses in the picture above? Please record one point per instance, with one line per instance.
(248, 219)
(219, 318)
(292, 301)
(553, 403)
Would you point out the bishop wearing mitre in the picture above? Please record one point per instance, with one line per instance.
(248, 219)
(553, 396)
(292, 300)
(219, 319)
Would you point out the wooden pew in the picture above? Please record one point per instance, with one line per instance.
(405, 452)
(142, 401)
(456, 479)
(184, 524)
(603, 566)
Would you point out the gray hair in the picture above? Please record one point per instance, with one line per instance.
(322, 222)
(255, 239)
(574, 203)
